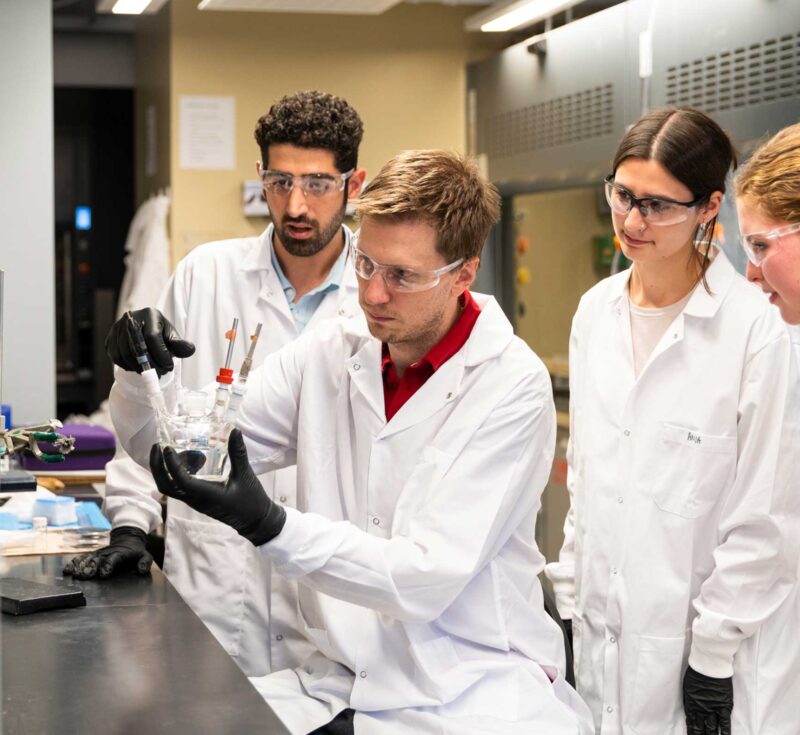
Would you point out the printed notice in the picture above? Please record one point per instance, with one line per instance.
(206, 132)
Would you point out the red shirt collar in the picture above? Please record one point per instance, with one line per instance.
(451, 343)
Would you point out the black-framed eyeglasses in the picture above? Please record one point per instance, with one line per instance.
(654, 210)
(280, 184)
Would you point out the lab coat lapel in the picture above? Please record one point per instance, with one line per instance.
(621, 318)
(490, 336)
(671, 338)
(364, 369)
(341, 302)
(439, 390)
(258, 264)
(703, 304)
(271, 293)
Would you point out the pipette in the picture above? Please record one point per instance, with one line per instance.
(150, 377)
(225, 376)
(239, 387)
(219, 442)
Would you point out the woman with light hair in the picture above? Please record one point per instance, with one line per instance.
(768, 202)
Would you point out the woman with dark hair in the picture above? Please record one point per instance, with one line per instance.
(679, 561)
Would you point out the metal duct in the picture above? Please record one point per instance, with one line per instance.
(549, 112)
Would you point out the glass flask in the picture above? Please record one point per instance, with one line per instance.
(200, 438)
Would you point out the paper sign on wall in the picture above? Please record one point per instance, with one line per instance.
(206, 132)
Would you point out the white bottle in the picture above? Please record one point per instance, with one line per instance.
(39, 524)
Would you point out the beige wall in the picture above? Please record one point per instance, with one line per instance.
(559, 227)
(403, 70)
(153, 89)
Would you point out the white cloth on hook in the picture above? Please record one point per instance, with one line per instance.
(147, 259)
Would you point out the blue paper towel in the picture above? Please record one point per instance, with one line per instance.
(89, 516)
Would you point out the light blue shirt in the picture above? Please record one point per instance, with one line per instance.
(303, 309)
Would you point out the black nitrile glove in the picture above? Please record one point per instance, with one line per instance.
(568, 630)
(126, 552)
(708, 703)
(162, 340)
(240, 502)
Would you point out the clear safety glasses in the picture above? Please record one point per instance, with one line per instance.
(280, 184)
(398, 277)
(654, 210)
(758, 245)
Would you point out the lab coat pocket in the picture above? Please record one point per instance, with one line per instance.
(207, 562)
(311, 619)
(656, 699)
(692, 471)
(577, 638)
(463, 686)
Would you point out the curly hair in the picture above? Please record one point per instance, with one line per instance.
(771, 178)
(312, 119)
(440, 187)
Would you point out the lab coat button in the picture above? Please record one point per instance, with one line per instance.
(609, 708)
(376, 521)
(279, 637)
(356, 366)
(449, 396)
(620, 499)
(283, 498)
(363, 674)
(612, 639)
(627, 432)
(341, 312)
(613, 570)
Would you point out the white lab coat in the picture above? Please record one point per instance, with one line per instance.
(219, 574)
(794, 332)
(681, 542)
(415, 554)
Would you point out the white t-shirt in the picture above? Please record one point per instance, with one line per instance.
(648, 326)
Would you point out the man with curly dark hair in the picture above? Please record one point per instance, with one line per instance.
(316, 135)
(313, 120)
(295, 274)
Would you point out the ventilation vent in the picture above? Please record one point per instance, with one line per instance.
(752, 75)
(559, 121)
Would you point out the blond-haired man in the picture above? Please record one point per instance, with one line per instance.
(423, 437)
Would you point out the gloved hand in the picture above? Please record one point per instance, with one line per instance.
(163, 342)
(126, 552)
(708, 703)
(240, 502)
(568, 629)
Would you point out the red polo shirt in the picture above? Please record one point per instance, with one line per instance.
(396, 391)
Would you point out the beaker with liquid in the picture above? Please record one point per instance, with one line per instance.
(200, 438)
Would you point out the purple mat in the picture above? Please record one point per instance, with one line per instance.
(94, 446)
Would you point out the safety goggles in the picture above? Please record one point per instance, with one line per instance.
(280, 184)
(398, 277)
(654, 210)
(758, 245)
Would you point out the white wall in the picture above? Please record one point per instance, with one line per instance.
(26, 209)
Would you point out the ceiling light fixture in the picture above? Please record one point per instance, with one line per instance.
(130, 7)
(505, 16)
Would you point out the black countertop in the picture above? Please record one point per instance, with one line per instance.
(135, 660)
